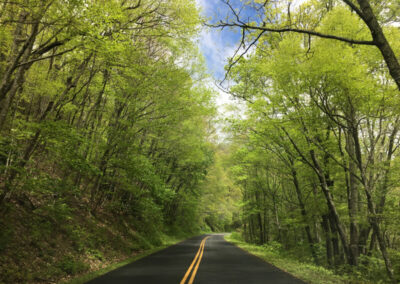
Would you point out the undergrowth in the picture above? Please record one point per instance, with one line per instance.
(306, 271)
(39, 247)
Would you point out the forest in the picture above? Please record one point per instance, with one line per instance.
(316, 152)
(105, 131)
(112, 143)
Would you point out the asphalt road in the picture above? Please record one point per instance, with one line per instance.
(204, 259)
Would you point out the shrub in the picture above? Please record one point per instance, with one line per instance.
(72, 266)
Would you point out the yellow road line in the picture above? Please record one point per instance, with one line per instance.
(198, 263)
(197, 259)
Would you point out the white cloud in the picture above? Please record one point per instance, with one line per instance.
(203, 4)
(217, 51)
(294, 4)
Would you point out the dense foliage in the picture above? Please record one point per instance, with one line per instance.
(107, 142)
(220, 197)
(102, 111)
(316, 153)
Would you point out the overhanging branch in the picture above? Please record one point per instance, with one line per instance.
(295, 30)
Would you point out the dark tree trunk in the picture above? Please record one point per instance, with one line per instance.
(335, 240)
(303, 213)
(328, 240)
(334, 216)
(373, 218)
(380, 40)
(352, 193)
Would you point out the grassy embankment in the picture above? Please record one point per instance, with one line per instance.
(57, 246)
(307, 272)
(168, 241)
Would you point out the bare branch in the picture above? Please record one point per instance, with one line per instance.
(295, 30)
(46, 57)
(241, 55)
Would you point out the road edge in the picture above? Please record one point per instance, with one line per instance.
(264, 260)
(311, 277)
(100, 272)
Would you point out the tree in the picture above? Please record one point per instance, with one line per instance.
(102, 110)
(326, 108)
(267, 24)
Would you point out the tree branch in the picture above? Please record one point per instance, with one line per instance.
(46, 57)
(355, 9)
(295, 30)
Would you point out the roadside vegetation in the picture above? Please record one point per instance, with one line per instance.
(109, 148)
(274, 254)
(105, 130)
(315, 152)
(107, 266)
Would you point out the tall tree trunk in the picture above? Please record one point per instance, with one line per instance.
(373, 218)
(337, 255)
(303, 212)
(328, 240)
(387, 167)
(259, 218)
(352, 197)
(363, 238)
(13, 77)
(380, 40)
(331, 204)
(277, 222)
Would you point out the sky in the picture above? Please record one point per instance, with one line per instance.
(217, 46)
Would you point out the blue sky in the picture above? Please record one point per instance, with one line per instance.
(216, 45)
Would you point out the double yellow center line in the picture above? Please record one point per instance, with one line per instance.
(196, 261)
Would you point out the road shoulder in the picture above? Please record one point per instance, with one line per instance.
(306, 272)
(97, 273)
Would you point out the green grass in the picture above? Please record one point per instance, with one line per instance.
(307, 272)
(167, 241)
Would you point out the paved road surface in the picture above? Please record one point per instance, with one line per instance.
(204, 259)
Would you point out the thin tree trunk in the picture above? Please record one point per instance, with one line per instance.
(352, 198)
(338, 258)
(303, 213)
(11, 82)
(328, 240)
(331, 204)
(373, 219)
(278, 224)
(25, 158)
